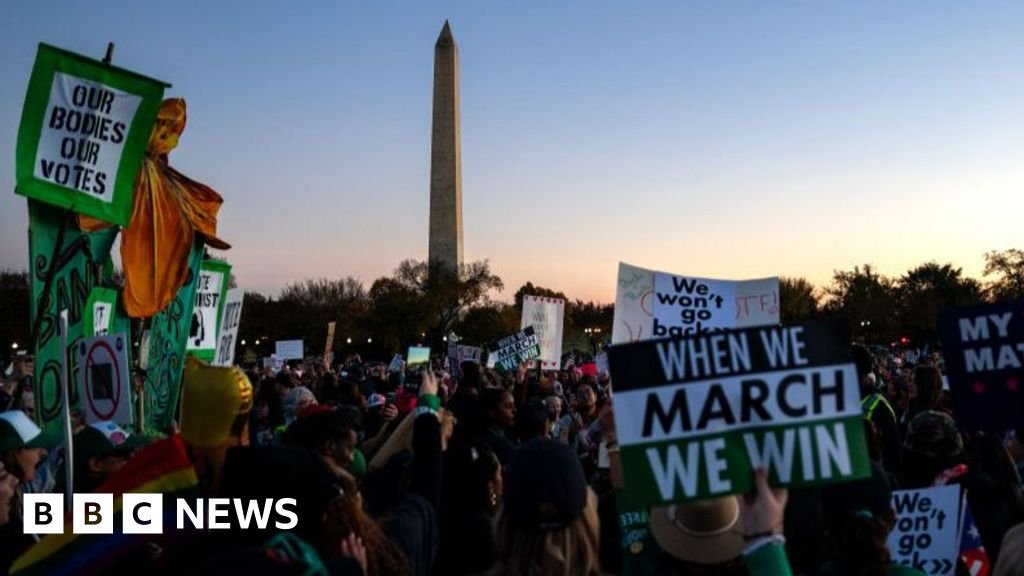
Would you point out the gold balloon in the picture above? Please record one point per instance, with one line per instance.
(215, 403)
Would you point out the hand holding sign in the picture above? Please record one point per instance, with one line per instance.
(762, 511)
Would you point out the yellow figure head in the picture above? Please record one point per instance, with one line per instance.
(215, 403)
(170, 123)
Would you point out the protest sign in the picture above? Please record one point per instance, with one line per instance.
(652, 304)
(925, 533)
(695, 416)
(508, 352)
(229, 321)
(329, 345)
(102, 316)
(168, 337)
(62, 276)
(83, 132)
(396, 363)
(468, 354)
(601, 361)
(104, 380)
(206, 313)
(984, 351)
(288, 350)
(545, 316)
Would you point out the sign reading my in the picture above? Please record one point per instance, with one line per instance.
(696, 415)
(984, 351)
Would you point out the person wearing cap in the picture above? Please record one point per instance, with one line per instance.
(22, 447)
(101, 448)
(548, 523)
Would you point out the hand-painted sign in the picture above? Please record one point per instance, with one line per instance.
(651, 304)
(229, 321)
(545, 316)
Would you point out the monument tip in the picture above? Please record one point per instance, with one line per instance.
(446, 35)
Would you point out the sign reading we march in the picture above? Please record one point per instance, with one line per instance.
(696, 415)
(508, 352)
(83, 132)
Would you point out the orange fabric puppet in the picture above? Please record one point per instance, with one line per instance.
(168, 210)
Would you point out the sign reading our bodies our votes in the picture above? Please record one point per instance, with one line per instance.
(83, 132)
(984, 352)
(695, 416)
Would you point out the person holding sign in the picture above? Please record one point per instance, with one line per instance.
(858, 517)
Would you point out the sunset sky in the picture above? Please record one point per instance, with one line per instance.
(719, 139)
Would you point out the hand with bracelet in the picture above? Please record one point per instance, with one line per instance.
(762, 513)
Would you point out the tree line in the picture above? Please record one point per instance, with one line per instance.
(414, 306)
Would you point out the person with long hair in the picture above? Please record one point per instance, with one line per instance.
(345, 518)
(548, 524)
(858, 518)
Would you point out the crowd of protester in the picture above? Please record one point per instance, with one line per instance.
(481, 472)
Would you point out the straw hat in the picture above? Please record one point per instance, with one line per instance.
(708, 532)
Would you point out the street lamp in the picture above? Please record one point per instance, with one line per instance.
(369, 340)
(243, 342)
(348, 340)
(14, 346)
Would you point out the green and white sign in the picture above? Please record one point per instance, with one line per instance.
(83, 132)
(206, 313)
(695, 416)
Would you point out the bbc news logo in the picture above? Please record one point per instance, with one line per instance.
(144, 514)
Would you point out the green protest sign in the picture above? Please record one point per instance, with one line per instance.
(83, 132)
(509, 351)
(209, 303)
(696, 415)
(168, 337)
(102, 316)
(65, 268)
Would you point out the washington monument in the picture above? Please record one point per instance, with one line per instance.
(445, 241)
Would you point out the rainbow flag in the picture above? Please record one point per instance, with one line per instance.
(161, 467)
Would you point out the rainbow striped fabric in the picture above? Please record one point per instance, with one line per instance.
(161, 467)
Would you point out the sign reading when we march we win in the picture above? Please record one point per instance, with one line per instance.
(508, 352)
(695, 416)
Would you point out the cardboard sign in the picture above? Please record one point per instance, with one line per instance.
(288, 350)
(74, 268)
(651, 304)
(229, 322)
(329, 345)
(508, 352)
(984, 351)
(104, 380)
(83, 132)
(208, 308)
(925, 533)
(545, 316)
(696, 415)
